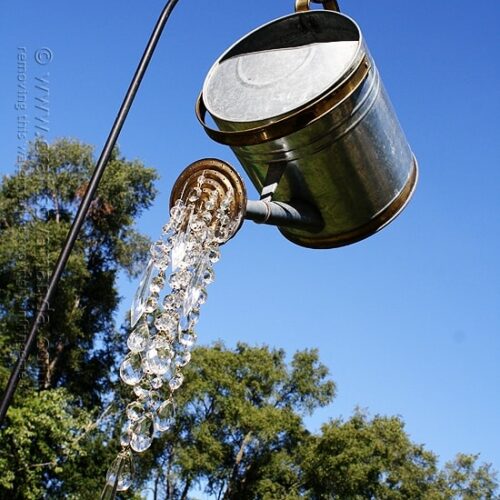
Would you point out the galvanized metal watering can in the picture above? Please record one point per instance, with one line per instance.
(300, 102)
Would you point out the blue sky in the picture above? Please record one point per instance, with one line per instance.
(408, 321)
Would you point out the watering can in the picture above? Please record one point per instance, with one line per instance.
(300, 102)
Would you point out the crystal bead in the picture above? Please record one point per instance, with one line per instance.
(153, 401)
(164, 417)
(202, 297)
(180, 279)
(178, 250)
(120, 473)
(142, 434)
(195, 194)
(131, 369)
(177, 211)
(135, 411)
(158, 359)
(213, 254)
(187, 338)
(158, 250)
(138, 340)
(208, 276)
(181, 359)
(167, 322)
(143, 390)
(125, 433)
(176, 381)
(142, 294)
(193, 317)
(174, 300)
(151, 304)
(197, 225)
(157, 284)
(156, 383)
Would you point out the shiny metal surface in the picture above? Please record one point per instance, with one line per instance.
(346, 155)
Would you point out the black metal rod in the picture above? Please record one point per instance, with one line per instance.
(84, 206)
(299, 215)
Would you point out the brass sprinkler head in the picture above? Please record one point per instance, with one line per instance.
(213, 175)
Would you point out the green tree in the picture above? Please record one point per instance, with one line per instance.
(239, 423)
(76, 348)
(239, 433)
(364, 458)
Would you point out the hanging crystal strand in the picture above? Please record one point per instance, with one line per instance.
(163, 328)
(119, 475)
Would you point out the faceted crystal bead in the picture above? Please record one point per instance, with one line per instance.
(151, 304)
(158, 359)
(177, 211)
(195, 194)
(178, 250)
(197, 225)
(176, 381)
(206, 217)
(182, 358)
(125, 433)
(142, 434)
(120, 472)
(143, 390)
(167, 322)
(135, 411)
(138, 340)
(131, 370)
(202, 297)
(193, 317)
(156, 383)
(208, 276)
(180, 279)
(187, 338)
(158, 250)
(164, 416)
(153, 401)
(214, 254)
(157, 284)
(173, 301)
(142, 294)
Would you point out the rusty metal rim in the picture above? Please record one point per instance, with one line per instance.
(381, 220)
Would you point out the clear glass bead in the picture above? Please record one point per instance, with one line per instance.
(135, 411)
(142, 294)
(158, 359)
(131, 369)
(187, 338)
(138, 340)
(142, 434)
(176, 381)
(125, 433)
(182, 358)
(120, 473)
(167, 322)
(180, 279)
(164, 417)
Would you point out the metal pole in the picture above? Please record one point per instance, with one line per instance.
(84, 206)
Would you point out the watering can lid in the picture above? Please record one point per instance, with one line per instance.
(281, 66)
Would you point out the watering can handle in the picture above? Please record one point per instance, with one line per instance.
(303, 5)
(297, 120)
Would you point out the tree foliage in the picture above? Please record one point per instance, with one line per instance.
(76, 348)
